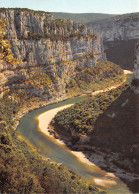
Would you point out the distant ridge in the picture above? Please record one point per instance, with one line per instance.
(82, 17)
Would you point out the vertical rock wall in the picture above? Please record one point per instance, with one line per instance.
(135, 81)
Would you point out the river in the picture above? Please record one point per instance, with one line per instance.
(47, 146)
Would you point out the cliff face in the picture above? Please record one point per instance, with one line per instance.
(119, 28)
(45, 45)
(119, 36)
(135, 81)
(30, 35)
(117, 129)
(136, 62)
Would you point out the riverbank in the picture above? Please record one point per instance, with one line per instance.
(40, 104)
(44, 120)
(97, 158)
(100, 181)
(102, 159)
(43, 123)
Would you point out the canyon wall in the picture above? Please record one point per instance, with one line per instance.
(31, 33)
(119, 35)
(116, 29)
(135, 81)
(136, 62)
(45, 45)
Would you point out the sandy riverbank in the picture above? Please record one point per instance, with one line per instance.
(94, 160)
(127, 72)
(45, 118)
(112, 87)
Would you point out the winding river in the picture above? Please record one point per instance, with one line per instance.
(49, 147)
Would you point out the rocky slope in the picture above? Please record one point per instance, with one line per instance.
(106, 129)
(45, 45)
(82, 17)
(116, 131)
(124, 27)
(135, 81)
(119, 36)
(39, 39)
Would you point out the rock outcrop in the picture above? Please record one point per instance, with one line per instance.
(116, 29)
(135, 81)
(45, 45)
(40, 39)
(119, 36)
(136, 62)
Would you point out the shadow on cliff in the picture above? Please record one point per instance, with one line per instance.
(113, 144)
(118, 127)
(116, 133)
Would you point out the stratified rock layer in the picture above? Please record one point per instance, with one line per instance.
(28, 32)
(116, 29)
(135, 81)
(46, 45)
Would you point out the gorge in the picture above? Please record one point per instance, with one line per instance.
(119, 34)
(44, 60)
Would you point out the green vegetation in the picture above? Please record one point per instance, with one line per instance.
(5, 47)
(22, 170)
(82, 17)
(26, 10)
(40, 80)
(128, 16)
(56, 29)
(60, 29)
(80, 118)
(101, 76)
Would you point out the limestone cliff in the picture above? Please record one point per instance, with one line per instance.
(119, 28)
(38, 38)
(119, 36)
(45, 45)
(135, 81)
(136, 62)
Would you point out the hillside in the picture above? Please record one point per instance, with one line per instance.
(114, 29)
(51, 53)
(107, 124)
(36, 69)
(119, 34)
(22, 169)
(82, 17)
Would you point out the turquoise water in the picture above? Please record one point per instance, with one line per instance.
(28, 128)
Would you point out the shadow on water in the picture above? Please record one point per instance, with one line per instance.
(28, 128)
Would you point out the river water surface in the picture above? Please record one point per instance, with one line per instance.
(28, 128)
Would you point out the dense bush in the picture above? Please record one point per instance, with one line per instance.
(40, 80)
(21, 169)
(5, 47)
(80, 118)
(103, 75)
